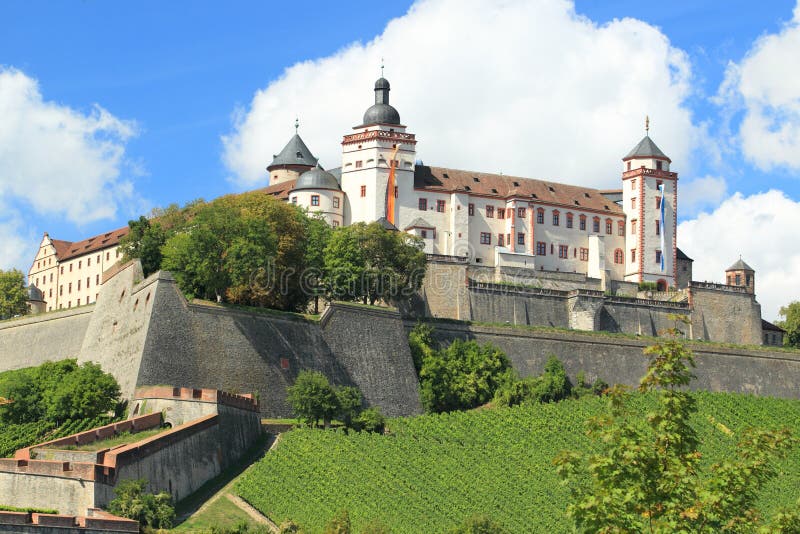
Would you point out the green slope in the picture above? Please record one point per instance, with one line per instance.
(433, 471)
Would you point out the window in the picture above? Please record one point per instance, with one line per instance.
(486, 238)
(556, 218)
(116, 253)
(508, 238)
(629, 165)
(633, 226)
(540, 216)
(440, 206)
(294, 200)
(633, 255)
(658, 257)
(79, 263)
(395, 191)
(541, 248)
(70, 267)
(51, 277)
(489, 212)
(633, 203)
(500, 240)
(87, 282)
(621, 228)
(738, 279)
(359, 164)
(471, 209)
(563, 251)
(658, 165)
(609, 227)
(619, 257)
(79, 302)
(658, 227)
(108, 255)
(61, 289)
(335, 202)
(584, 254)
(69, 288)
(335, 224)
(62, 269)
(569, 220)
(501, 213)
(363, 190)
(98, 261)
(658, 203)
(596, 225)
(88, 262)
(79, 285)
(521, 213)
(315, 200)
(633, 183)
(423, 204)
(583, 222)
(423, 234)
(97, 279)
(51, 292)
(520, 238)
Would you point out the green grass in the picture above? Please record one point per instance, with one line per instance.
(432, 471)
(120, 439)
(222, 513)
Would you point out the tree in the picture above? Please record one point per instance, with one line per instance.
(131, 501)
(144, 241)
(350, 402)
(791, 323)
(463, 376)
(312, 398)
(370, 420)
(13, 300)
(420, 341)
(648, 477)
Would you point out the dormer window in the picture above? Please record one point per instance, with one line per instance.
(550, 187)
(516, 184)
(299, 155)
(475, 179)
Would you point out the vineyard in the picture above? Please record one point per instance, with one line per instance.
(432, 471)
(13, 437)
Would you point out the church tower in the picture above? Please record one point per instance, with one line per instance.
(367, 155)
(292, 161)
(650, 202)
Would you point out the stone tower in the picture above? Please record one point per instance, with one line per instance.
(647, 182)
(742, 275)
(366, 158)
(292, 161)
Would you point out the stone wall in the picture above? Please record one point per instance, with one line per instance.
(639, 316)
(33, 340)
(724, 313)
(617, 359)
(494, 303)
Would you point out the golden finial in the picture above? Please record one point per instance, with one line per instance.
(647, 125)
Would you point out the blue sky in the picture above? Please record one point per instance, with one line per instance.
(110, 109)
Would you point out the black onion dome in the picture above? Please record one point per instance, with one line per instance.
(381, 112)
(316, 178)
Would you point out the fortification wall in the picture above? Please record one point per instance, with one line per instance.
(69, 495)
(501, 305)
(638, 316)
(724, 313)
(620, 360)
(33, 340)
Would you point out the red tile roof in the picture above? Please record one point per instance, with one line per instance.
(61, 247)
(443, 180)
(98, 242)
(280, 190)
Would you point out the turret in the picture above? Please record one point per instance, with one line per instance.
(741, 275)
(292, 161)
(319, 192)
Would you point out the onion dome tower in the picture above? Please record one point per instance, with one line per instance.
(292, 161)
(381, 112)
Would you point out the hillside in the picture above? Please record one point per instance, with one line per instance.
(432, 471)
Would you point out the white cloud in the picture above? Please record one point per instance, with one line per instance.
(766, 85)
(55, 159)
(17, 244)
(700, 193)
(763, 229)
(518, 86)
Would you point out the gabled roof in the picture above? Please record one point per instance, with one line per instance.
(294, 153)
(280, 190)
(62, 247)
(766, 325)
(740, 265)
(92, 244)
(679, 254)
(646, 149)
(501, 186)
(383, 221)
(419, 222)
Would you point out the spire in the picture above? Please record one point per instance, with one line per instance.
(647, 125)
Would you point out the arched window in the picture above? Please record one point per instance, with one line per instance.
(619, 256)
(540, 216)
(609, 227)
(583, 222)
(569, 220)
(621, 227)
(661, 285)
(556, 217)
(596, 225)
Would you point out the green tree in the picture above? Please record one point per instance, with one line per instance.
(150, 510)
(370, 420)
(144, 241)
(350, 402)
(791, 323)
(339, 524)
(420, 341)
(648, 477)
(463, 376)
(13, 300)
(313, 398)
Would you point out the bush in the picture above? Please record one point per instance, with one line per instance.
(370, 420)
(290, 527)
(478, 524)
(339, 524)
(420, 341)
(313, 398)
(552, 385)
(350, 402)
(131, 501)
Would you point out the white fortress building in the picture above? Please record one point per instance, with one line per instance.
(492, 219)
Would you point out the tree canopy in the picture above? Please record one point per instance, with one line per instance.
(13, 300)
(791, 323)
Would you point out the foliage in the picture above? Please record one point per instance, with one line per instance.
(648, 475)
(375, 527)
(420, 341)
(478, 524)
(313, 398)
(430, 472)
(339, 524)
(243, 527)
(13, 300)
(369, 263)
(149, 510)
(370, 420)
(791, 324)
(462, 376)
(57, 392)
(648, 286)
(28, 510)
(144, 241)
(350, 401)
(290, 527)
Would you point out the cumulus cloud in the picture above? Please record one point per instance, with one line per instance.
(763, 229)
(766, 85)
(57, 160)
(700, 193)
(17, 246)
(515, 86)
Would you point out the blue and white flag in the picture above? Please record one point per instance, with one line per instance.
(663, 228)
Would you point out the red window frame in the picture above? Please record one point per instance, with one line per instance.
(541, 248)
(563, 251)
(422, 204)
(486, 238)
(363, 190)
(440, 206)
(489, 212)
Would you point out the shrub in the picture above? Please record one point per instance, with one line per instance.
(420, 341)
(551, 386)
(290, 527)
(478, 524)
(313, 398)
(370, 420)
(350, 402)
(339, 524)
(131, 501)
